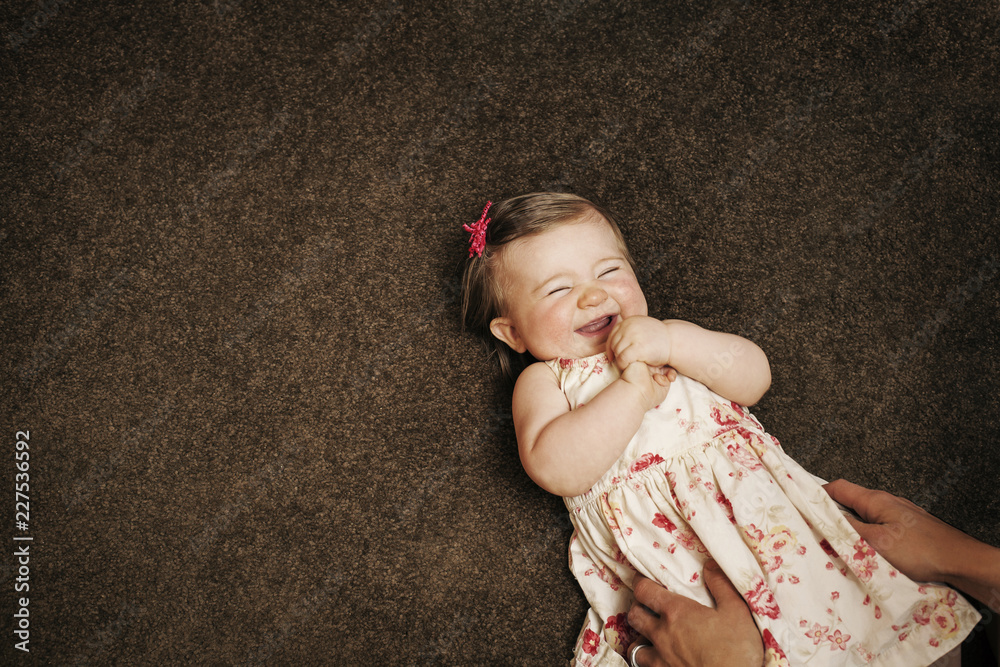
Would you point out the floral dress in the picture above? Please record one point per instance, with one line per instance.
(702, 479)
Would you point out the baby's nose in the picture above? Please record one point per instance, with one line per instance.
(592, 296)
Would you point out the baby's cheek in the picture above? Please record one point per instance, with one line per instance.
(633, 299)
(557, 332)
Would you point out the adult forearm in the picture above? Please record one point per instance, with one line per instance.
(975, 570)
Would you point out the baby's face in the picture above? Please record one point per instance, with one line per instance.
(566, 288)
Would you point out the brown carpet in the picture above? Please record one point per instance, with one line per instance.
(231, 238)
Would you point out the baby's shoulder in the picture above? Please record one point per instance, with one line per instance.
(538, 391)
(538, 374)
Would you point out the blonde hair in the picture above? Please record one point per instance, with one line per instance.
(510, 220)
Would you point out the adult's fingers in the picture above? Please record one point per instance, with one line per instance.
(649, 593)
(720, 587)
(645, 656)
(641, 619)
(854, 496)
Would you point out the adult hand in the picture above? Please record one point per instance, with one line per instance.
(685, 633)
(920, 545)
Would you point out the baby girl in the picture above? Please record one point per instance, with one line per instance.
(640, 425)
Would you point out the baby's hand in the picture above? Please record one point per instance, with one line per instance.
(652, 383)
(640, 338)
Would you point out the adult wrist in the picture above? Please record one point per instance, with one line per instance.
(973, 567)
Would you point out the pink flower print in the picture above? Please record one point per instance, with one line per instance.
(591, 640)
(771, 646)
(686, 537)
(685, 425)
(771, 547)
(661, 521)
(565, 363)
(723, 416)
(817, 633)
(612, 512)
(623, 632)
(741, 456)
(835, 595)
(727, 506)
(644, 462)
(761, 601)
(605, 575)
(772, 563)
(865, 569)
(864, 563)
(780, 542)
(726, 421)
(838, 640)
(827, 549)
(598, 368)
(584, 364)
(939, 613)
(755, 534)
(862, 550)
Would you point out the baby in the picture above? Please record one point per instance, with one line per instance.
(639, 424)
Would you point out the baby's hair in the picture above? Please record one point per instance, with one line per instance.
(510, 220)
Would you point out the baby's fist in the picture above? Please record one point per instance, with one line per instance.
(639, 338)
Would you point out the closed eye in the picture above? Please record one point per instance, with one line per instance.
(556, 290)
(607, 271)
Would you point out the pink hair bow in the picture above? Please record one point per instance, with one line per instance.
(477, 242)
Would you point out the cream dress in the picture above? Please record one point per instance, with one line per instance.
(701, 478)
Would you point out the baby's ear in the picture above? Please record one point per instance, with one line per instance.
(505, 330)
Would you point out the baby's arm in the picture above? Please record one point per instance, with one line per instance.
(731, 366)
(567, 451)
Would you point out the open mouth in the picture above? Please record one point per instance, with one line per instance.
(598, 326)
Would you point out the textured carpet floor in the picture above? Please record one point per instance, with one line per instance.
(231, 238)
